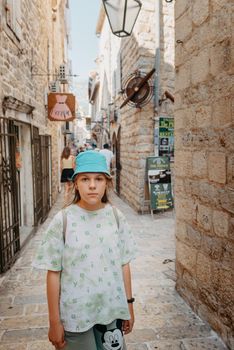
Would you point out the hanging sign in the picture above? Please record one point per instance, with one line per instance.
(61, 106)
(159, 180)
(166, 136)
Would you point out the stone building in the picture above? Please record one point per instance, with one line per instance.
(82, 128)
(131, 129)
(33, 38)
(204, 161)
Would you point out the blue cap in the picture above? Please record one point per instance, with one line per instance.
(90, 162)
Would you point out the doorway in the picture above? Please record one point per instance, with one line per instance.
(9, 203)
(24, 179)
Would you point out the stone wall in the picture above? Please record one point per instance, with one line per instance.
(204, 161)
(24, 65)
(137, 125)
(117, 60)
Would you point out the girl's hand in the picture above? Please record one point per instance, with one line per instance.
(128, 324)
(56, 335)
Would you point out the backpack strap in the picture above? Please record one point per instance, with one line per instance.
(64, 224)
(116, 215)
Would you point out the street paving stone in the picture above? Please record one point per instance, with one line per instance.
(163, 320)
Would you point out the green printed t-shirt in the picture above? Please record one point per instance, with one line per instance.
(92, 287)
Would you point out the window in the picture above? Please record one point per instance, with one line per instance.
(13, 16)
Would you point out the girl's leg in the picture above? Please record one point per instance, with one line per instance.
(68, 191)
(109, 336)
(62, 187)
(66, 188)
(80, 341)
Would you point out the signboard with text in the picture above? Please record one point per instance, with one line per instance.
(61, 106)
(159, 180)
(166, 136)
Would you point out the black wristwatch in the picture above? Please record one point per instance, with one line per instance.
(130, 301)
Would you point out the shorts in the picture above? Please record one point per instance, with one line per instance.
(100, 337)
(66, 175)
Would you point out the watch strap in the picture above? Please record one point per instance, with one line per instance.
(131, 300)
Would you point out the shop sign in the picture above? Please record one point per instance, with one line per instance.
(166, 137)
(161, 196)
(159, 181)
(61, 106)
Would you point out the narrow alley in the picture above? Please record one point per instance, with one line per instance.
(163, 319)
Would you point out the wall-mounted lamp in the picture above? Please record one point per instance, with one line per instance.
(167, 95)
(122, 15)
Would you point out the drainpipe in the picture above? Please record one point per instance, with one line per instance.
(157, 76)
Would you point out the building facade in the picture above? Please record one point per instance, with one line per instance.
(131, 129)
(33, 38)
(204, 163)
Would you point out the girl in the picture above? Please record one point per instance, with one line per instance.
(67, 170)
(88, 280)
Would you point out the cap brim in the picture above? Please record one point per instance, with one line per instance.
(83, 172)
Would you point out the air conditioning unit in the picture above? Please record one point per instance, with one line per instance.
(54, 86)
(63, 74)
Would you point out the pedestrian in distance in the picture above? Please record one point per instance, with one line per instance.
(81, 149)
(108, 154)
(87, 251)
(74, 149)
(67, 170)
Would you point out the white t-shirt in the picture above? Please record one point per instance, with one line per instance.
(90, 261)
(108, 154)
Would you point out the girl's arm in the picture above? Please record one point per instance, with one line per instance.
(128, 324)
(56, 331)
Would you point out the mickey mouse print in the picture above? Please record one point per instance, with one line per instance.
(110, 337)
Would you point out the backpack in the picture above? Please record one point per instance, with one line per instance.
(65, 221)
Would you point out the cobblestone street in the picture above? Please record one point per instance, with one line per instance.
(163, 319)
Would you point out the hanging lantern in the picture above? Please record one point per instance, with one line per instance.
(122, 15)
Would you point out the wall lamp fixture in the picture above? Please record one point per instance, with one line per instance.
(122, 15)
(167, 95)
